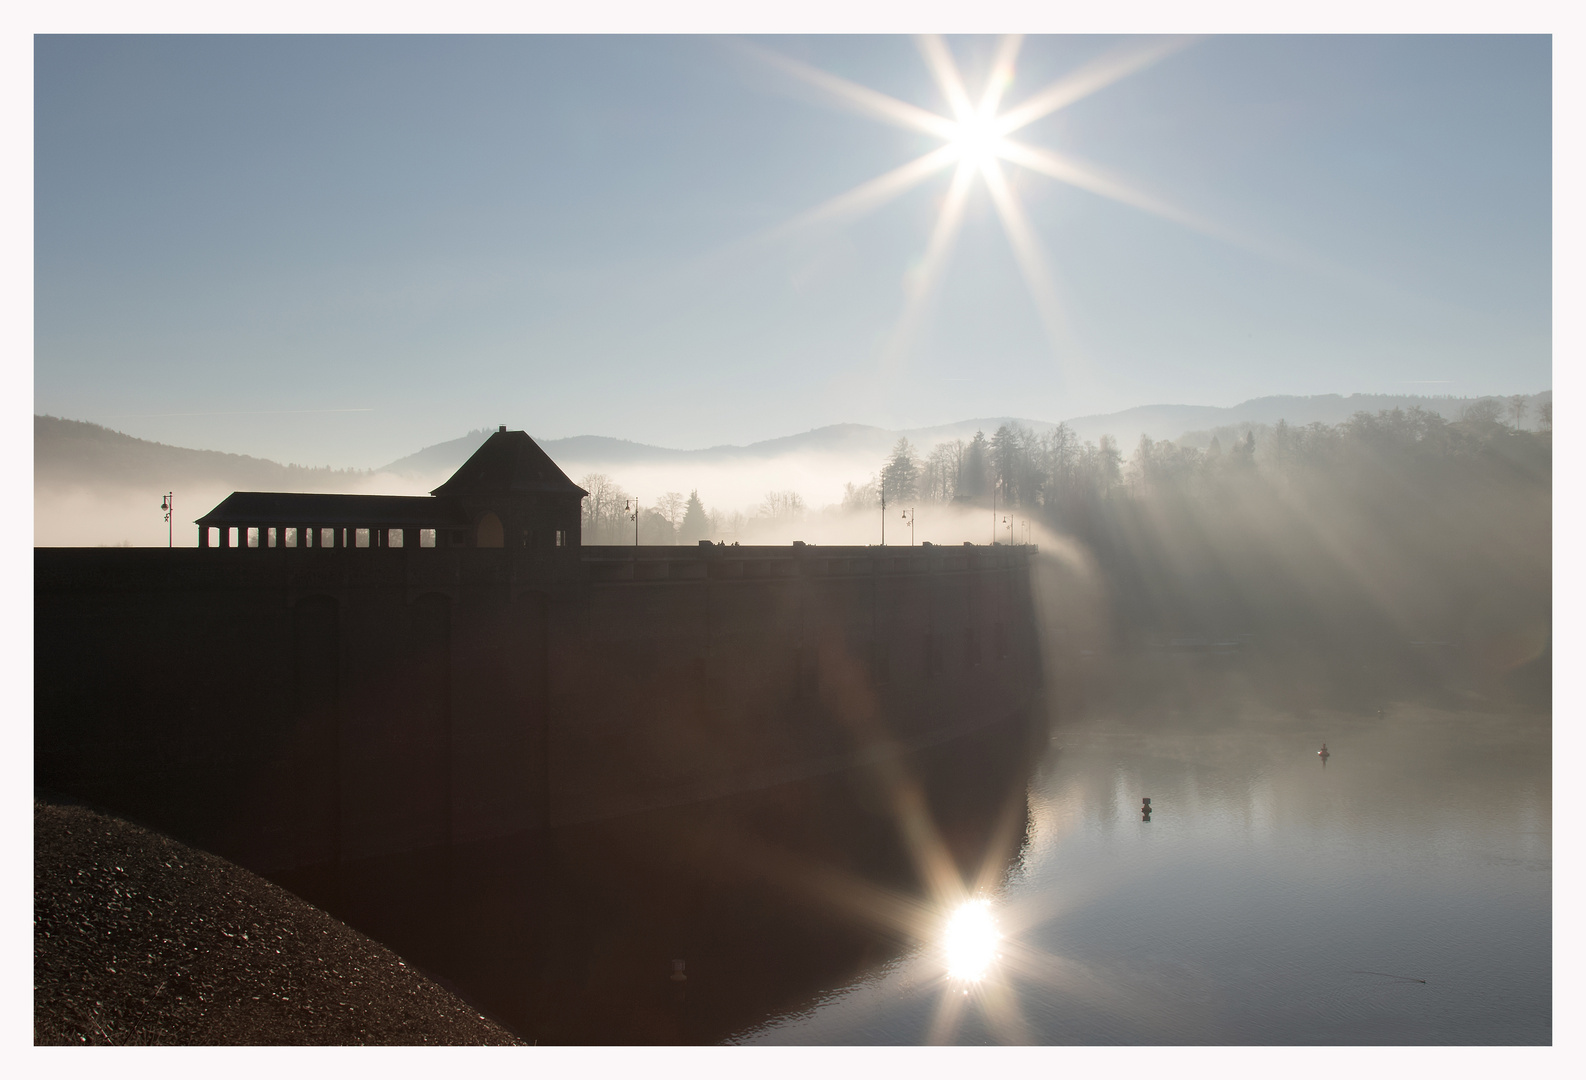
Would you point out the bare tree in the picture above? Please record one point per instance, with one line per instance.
(1518, 407)
(864, 496)
(603, 509)
(670, 506)
(726, 527)
(1485, 411)
(937, 474)
(782, 506)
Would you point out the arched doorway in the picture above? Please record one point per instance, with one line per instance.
(488, 531)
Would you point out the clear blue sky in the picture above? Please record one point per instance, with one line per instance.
(337, 250)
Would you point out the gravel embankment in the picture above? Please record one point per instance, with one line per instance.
(140, 939)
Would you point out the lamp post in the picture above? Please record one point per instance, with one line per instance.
(168, 504)
(883, 509)
(908, 515)
(631, 508)
(994, 485)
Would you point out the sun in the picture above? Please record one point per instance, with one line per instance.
(976, 143)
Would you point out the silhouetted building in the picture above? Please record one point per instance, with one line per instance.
(508, 494)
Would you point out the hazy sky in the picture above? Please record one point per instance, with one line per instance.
(337, 250)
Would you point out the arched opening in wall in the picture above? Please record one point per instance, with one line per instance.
(315, 746)
(428, 717)
(488, 531)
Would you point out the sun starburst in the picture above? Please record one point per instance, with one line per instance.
(976, 144)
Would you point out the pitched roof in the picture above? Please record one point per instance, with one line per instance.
(294, 508)
(509, 462)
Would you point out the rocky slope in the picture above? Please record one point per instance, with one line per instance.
(140, 939)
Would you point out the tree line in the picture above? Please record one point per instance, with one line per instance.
(1343, 543)
(609, 515)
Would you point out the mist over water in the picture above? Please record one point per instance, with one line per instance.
(1400, 894)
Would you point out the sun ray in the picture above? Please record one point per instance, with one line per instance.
(1001, 74)
(860, 200)
(1027, 250)
(1096, 75)
(1003, 1013)
(1011, 822)
(923, 288)
(944, 1022)
(923, 840)
(841, 892)
(1092, 179)
(940, 61)
(874, 102)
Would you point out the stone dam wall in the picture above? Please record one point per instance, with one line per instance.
(290, 707)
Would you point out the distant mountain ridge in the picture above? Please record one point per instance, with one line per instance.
(76, 453)
(73, 453)
(1158, 421)
(593, 450)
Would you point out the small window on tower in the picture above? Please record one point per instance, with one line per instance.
(561, 537)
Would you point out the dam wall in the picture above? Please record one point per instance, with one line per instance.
(293, 707)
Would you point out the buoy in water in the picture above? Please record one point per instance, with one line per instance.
(1323, 751)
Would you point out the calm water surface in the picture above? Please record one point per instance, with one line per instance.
(1271, 898)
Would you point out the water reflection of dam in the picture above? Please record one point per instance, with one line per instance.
(770, 898)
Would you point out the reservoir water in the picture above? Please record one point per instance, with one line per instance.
(1397, 891)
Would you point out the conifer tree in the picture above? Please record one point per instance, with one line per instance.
(696, 523)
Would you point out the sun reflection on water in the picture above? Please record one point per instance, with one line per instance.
(970, 941)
